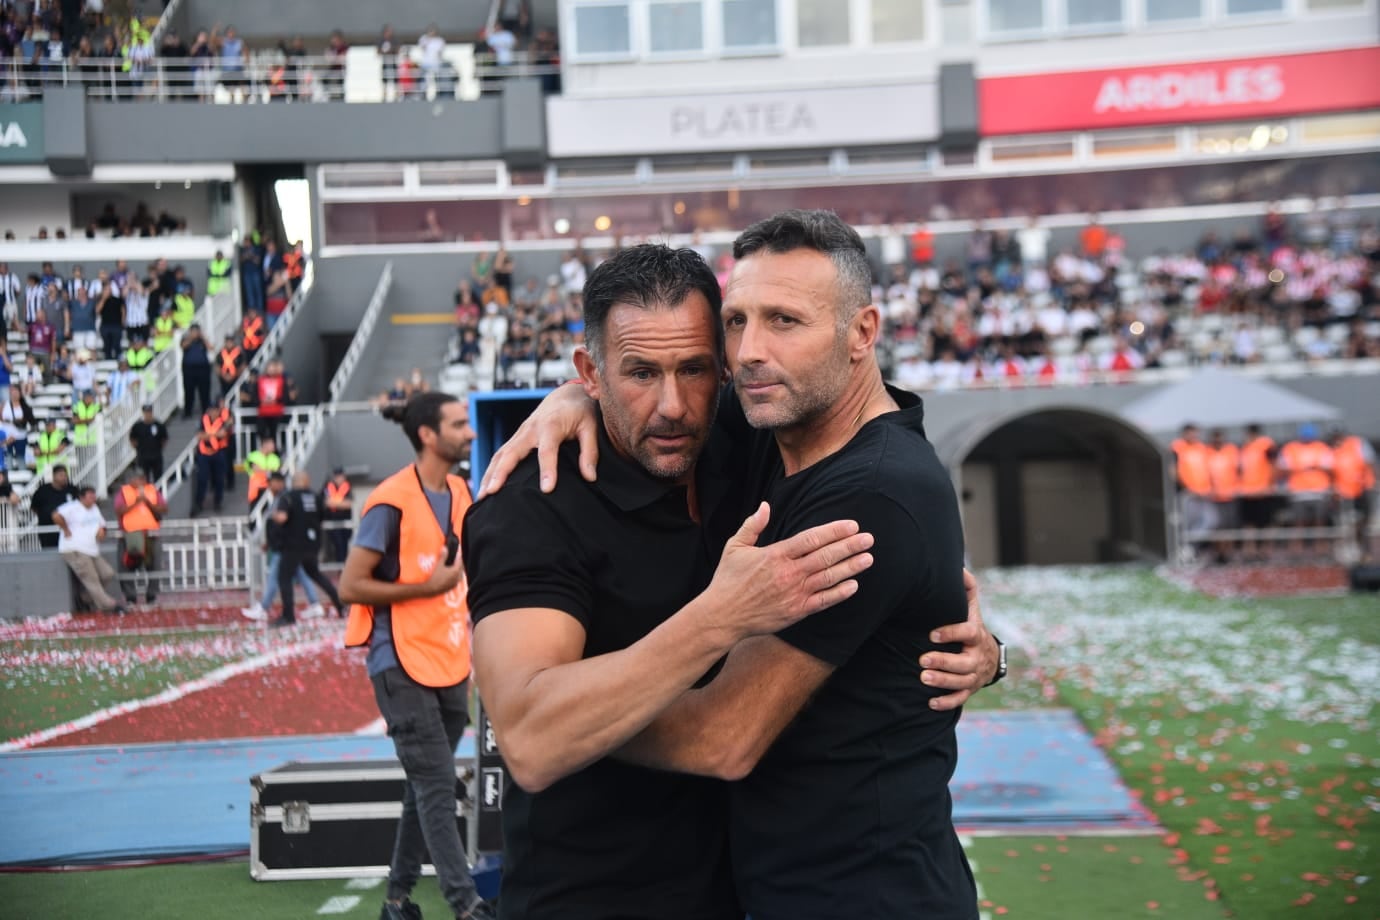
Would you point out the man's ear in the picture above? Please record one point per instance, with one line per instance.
(864, 330)
(588, 371)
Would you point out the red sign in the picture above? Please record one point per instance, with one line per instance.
(1269, 87)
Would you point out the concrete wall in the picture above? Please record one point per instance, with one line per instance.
(36, 584)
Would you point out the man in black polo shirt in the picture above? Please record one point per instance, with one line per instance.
(149, 436)
(298, 513)
(46, 499)
(842, 809)
(598, 605)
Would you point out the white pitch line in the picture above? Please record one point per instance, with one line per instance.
(214, 678)
(376, 727)
(364, 884)
(341, 904)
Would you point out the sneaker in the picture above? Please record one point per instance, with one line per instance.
(314, 612)
(404, 911)
(281, 622)
(254, 613)
(479, 910)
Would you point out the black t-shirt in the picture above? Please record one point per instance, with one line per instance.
(113, 311)
(612, 841)
(195, 354)
(149, 438)
(302, 530)
(848, 814)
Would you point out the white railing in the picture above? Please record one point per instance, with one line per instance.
(341, 379)
(292, 429)
(18, 527)
(183, 467)
(164, 23)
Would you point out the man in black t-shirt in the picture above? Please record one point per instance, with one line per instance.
(298, 512)
(842, 809)
(595, 608)
(149, 436)
(48, 498)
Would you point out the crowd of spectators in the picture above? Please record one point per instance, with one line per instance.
(109, 224)
(1016, 311)
(119, 58)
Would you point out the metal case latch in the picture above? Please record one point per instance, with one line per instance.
(296, 817)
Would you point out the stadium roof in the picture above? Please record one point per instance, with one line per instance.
(1220, 399)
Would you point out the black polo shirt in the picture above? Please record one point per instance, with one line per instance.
(613, 841)
(848, 814)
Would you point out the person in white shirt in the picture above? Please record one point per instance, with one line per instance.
(502, 42)
(83, 373)
(121, 384)
(1034, 243)
(11, 286)
(432, 46)
(83, 527)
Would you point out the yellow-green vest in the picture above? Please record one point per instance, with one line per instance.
(220, 276)
(82, 432)
(184, 310)
(49, 447)
(163, 328)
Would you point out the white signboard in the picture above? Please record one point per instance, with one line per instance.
(742, 121)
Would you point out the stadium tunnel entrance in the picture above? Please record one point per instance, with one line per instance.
(1058, 486)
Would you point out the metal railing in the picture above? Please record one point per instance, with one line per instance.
(294, 422)
(183, 467)
(1337, 533)
(341, 379)
(263, 77)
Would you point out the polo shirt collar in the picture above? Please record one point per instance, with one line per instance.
(623, 481)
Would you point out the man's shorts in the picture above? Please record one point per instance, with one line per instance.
(1257, 511)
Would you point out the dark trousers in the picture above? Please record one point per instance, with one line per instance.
(287, 567)
(196, 381)
(152, 466)
(339, 540)
(140, 331)
(426, 725)
(268, 427)
(110, 341)
(210, 474)
(148, 564)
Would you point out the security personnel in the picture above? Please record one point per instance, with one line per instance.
(1224, 472)
(184, 309)
(1195, 482)
(1307, 467)
(164, 330)
(1257, 485)
(253, 331)
(409, 607)
(139, 355)
(220, 425)
(299, 514)
(295, 261)
(338, 508)
(259, 464)
(1353, 475)
(230, 361)
(51, 444)
(210, 472)
(84, 412)
(219, 272)
(140, 507)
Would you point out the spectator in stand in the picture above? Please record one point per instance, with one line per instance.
(196, 371)
(503, 267)
(35, 299)
(1306, 463)
(149, 437)
(11, 296)
(48, 498)
(42, 339)
(1033, 241)
(29, 375)
(502, 43)
(18, 416)
(8, 496)
(83, 372)
(140, 507)
(61, 369)
(336, 51)
(388, 53)
(277, 295)
(82, 528)
(58, 313)
(110, 309)
(1353, 476)
(122, 383)
(6, 362)
(232, 60)
(203, 63)
(431, 47)
(136, 306)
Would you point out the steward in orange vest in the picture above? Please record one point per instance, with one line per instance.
(337, 506)
(431, 634)
(229, 362)
(1353, 471)
(139, 507)
(1192, 469)
(253, 330)
(1224, 468)
(405, 581)
(1257, 464)
(1307, 464)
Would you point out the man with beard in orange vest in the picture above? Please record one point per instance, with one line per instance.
(404, 579)
(140, 506)
(1353, 476)
(1195, 483)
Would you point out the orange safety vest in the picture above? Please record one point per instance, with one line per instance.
(1308, 465)
(431, 634)
(1257, 472)
(337, 492)
(207, 448)
(1352, 474)
(1193, 469)
(1224, 465)
(139, 517)
(252, 332)
(292, 261)
(230, 362)
(215, 427)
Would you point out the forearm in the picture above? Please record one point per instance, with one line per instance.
(567, 716)
(373, 592)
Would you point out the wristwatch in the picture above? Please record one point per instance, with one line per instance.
(1001, 662)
